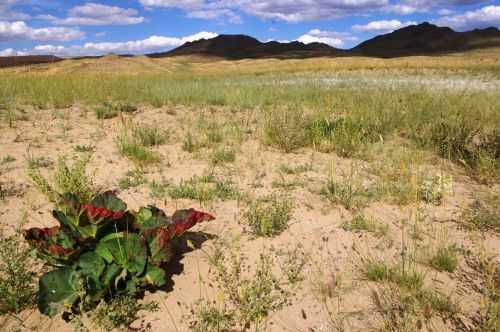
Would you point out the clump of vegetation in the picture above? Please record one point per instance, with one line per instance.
(360, 223)
(284, 129)
(7, 159)
(292, 262)
(149, 135)
(484, 213)
(268, 216)
(120, 311)
(66, 178)
(17, 275)
(203, 189)
(223, 155)
(433, 190)
(106, 111)
(350, 193)
(250, 299)
(445, 259)
(132, 179)
(137, 153)
(84, 148)
(100, 249)
(209, 316)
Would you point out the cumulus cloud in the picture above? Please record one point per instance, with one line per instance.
(382, 26)
(19, 30)
(8, 13)
(284, 10)
(99, 14)
(481, 18)
(406, 7)
(11, 52)
(151, 44)
(332, 38)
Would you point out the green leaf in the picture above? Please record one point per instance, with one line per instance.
(110, 201)
(58, 291)
(91, 264)
(128, 251)
(154, 276)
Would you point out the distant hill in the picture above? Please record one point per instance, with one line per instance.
(427, 39)
(241, 46)
(10, 61)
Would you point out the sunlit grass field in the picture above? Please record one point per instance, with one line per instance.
(351, 194)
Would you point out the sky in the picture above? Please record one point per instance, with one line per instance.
(76, 28)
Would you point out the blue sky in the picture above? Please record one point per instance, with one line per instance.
(76, 27)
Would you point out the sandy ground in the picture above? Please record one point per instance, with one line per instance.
(335, 253)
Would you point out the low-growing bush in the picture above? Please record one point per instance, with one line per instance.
(100, 250)
(17, 275)
(269, 216)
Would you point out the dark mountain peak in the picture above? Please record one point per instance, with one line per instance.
(243, 46)
(426, 39)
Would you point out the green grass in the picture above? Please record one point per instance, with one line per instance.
(17, 279)
(445, 259)
(362, 224)
(223, 156)
(137, 153)
(105, 112)
(204, 189)
(268, 216)
(149, 135)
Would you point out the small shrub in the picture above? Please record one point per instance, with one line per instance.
(7, 159)
(445, 259)
(189, 144)
(149, 135)
(269, 216)
(484, 213)
(84, 148)
(137, 153)
(348, 193)
(39, 162)
(222, 156)
(293, 261)
(203, 189)
(66, 178)
(17, 276)
(209, 317)
(360, 223)
(105, 112)
(252, 297)
(377, 271)
(433, 191)
(131, 180)
(284, 129)
(120, 311)
(127, 108)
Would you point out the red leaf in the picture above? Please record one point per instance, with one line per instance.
(183, 220)
(94, 212)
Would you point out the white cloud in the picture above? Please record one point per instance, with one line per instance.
(99, 14)
(284, 10)
(11, 52)
(148, 45)
(484, 17)
(406, 7)
(19, 30)
(382, 26)
(332, 38)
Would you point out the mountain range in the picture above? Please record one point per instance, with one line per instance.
(421, 39)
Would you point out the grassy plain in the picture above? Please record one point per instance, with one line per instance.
(351, 194)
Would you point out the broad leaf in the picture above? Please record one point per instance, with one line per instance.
(154, 276)
(126, 250)
(58, 291)
(183, 220)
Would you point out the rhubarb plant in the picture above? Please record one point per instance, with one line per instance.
(101, 249)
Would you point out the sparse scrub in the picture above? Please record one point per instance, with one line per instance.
(445, 259)
(360, 223)
(119, 312)
(223, 155)
(137, 153)
(203, 189)
(268, 216)
(433, 190)
(84, 148)
(484, 213)
(105, 112)
(149, 135)
(65, 178)
(131, 180)
(207, 316)
(17, 275)
(284, 129)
